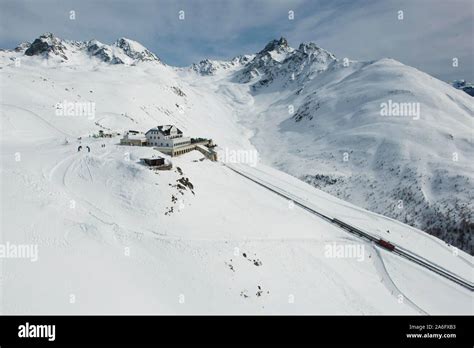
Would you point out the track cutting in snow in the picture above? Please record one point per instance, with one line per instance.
(354, 230)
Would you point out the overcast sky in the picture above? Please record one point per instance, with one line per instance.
(431, 34)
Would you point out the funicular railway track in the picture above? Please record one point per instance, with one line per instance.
(402, 252)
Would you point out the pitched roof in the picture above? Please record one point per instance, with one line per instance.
(166, 129)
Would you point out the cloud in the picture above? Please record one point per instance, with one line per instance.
(431, 34)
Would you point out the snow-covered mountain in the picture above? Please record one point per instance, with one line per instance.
(211, 67)
(279, 64)
(329, 129)
(123, 51)
(467, 87)
(325, 120)
(117, 237)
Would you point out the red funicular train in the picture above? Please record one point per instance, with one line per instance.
(386, 245)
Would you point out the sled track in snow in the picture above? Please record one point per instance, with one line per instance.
(402, 252)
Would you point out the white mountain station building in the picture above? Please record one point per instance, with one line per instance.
(168, 139)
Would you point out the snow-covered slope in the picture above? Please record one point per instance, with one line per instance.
(116, 237)
(327, 122)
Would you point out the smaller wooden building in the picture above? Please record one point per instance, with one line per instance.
(157, 163)
(153, 162)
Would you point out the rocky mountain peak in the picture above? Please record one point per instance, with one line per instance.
(276, 45)
(279, 61)
(135, 50)
(47, 44)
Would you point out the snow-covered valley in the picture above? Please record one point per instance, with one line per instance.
(114, 236)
